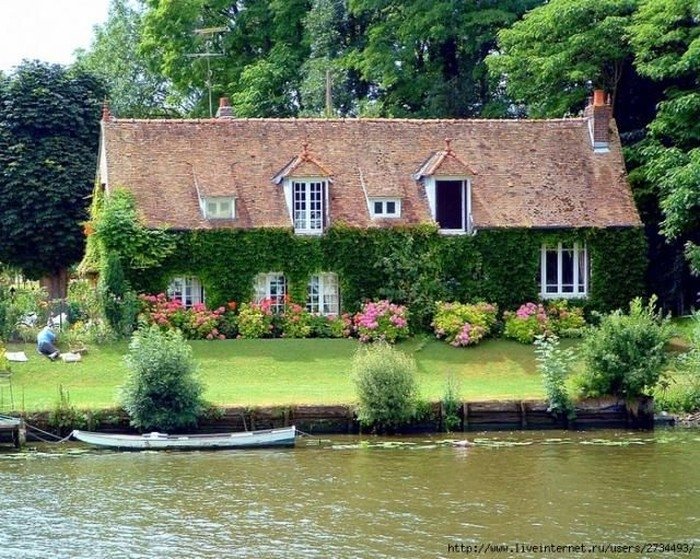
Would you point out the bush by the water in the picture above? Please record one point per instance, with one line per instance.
(625, 354)
(162, 390)
(462, 324)
(386, 387)
(554, 364)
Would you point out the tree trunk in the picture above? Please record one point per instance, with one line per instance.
(56, 284)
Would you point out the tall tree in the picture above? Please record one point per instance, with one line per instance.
(551, 58)
(135, 89)
(257, 46)
(666, 39)
(49, 127)
(326, 33)
(426, 57)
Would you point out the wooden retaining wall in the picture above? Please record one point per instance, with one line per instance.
(473, 416)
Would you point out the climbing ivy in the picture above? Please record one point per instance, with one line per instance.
(413, 265)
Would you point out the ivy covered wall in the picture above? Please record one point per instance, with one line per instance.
(413, 265)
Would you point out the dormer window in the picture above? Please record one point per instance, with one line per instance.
(309, 202)
(448, 187)
(385, 207)
(219, 208)
(450, 203)
(306, 182)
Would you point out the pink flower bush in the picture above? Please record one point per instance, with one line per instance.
(535, 319)
(195, 323)
(381, 320)
(462, 324)
(295, 321)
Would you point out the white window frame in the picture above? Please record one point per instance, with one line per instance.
(218, 214)
(384, 214)
(431, 193)
(580, 259)
(323, 295)
(303, 219)
(272, 286)
(188, 290)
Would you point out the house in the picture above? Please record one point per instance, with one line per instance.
(561, 182)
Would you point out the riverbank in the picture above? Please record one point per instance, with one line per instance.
(503, 415)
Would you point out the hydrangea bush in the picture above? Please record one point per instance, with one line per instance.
(295, 321)
(255, 320)
(536, 319)
(462, 324)
(195, 323)
(381, 320)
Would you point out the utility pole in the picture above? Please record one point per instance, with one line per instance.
(207, 55)
(329, 97)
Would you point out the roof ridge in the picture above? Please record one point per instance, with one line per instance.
(349, 120)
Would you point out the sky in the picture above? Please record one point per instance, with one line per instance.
(48, 30)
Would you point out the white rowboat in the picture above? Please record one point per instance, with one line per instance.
(214, 441)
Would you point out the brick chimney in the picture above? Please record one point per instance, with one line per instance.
(225, 110)
(599, 113)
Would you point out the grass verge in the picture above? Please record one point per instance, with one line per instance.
(282, 372)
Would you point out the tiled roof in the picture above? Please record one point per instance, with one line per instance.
(526, 173)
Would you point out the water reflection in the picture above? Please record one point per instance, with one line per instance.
(351, 497)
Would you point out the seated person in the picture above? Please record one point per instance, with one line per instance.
(45, 343)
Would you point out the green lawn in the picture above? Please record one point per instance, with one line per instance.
(270, 372)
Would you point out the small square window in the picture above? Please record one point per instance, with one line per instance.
(219, 208)
(385, 207)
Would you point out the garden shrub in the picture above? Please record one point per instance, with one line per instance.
(255, 320)
(381, 320)
(529, 321)
(331, 326)
(386, 387)
(462, 324)
(625, 354)
(196, 323)
(161, 389)
(554, 364)
(295, 321)
(538, 319)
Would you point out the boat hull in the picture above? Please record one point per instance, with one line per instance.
(283, 437)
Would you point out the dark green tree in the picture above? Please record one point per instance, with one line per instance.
(258, 46)
(426, 57)
(666, 39)
(135, 90)
(49, 127)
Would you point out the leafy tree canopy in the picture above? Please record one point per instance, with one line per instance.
(49, 126)
(135, 89)
(551, 57)
(426, 57)
(666, 38)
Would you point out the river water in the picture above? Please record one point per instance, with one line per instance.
(352, 497)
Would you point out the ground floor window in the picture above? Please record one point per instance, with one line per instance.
(323, 295)
(564, 271)
(272, 286)
(188, 291)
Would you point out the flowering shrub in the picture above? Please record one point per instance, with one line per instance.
(381, 320)
(331, 326)
(565, 320)
(532, 320)
(195, 323)
(528, 321)
(255, 320)
(295, 321)
(461, 324)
